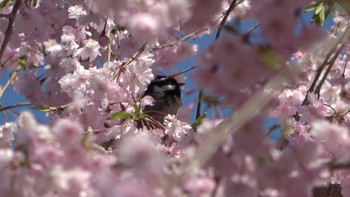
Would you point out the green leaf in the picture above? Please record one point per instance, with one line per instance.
(310, 8)
(121, 114)
(22, 62)
(285, 129)
(199, 120)
(319, 8)
(211, 100)
(4, 3)
(270, 58)
(322, 16)
(43, 108)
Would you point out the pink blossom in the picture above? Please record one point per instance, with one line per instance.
(6, 133)
(29, 86)
(201, 186)
(169, 56)
(139, 152)
(61, 65)
(69, 64)
(203, 12)
(76, 11)
(6, 156)
(138, 75)
(336, 138)
(127, 46)
(76, 83)
(75, 182)
(176, 129)
(144, 25)
(147, 100)
(90, 50)
(68, 133)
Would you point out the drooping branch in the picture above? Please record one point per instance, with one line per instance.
(183, 39)
(8, 33)
(131, 59)
(223, 22)
(15, 106)
(217, 36)
(331, 63)
(256, 103)
(13, 75)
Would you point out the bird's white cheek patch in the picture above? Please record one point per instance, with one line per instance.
(168, 87)
(164, 88)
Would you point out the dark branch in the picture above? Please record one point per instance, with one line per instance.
(8, 33)
(223, 22)
(15, 106)
(331, 63)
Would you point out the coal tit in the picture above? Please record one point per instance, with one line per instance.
(166, 92)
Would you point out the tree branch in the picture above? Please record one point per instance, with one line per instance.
(13, 75)
(317, 76)
(222, 24)
(331, 63)
(180, 40)
(8, 33)
(253, 106)
(131, 59)
(217, 36)
(15, 106)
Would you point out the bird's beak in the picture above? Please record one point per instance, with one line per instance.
(181, 84)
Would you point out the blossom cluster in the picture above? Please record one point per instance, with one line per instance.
(87, 64)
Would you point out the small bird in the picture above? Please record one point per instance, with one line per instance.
(166, 92)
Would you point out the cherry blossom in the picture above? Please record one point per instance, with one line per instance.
(87, 64)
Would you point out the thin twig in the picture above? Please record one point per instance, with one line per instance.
(251, 29)
(331, 63)
(13, 75)
(5, 15)
(338, 166)
(8, 33)
(217, 36)
(317, 76)
(222, 24)
(177, 74)
(109, 48)
(131, 59)
(171, 44)
(343, 74)
(199, 104)
(15, 106)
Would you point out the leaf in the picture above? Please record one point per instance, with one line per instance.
(285, 129)
(319, 8)
(310, 7)
(21, 62)
(270, 58)
(43, 108)
(199, 120)
(4, 3)
(322, 16)
(211, 100)
(121, 114)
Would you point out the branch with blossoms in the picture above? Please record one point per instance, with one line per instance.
(122, 67)
(217, 36)
(8, 33)
(91, 66)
